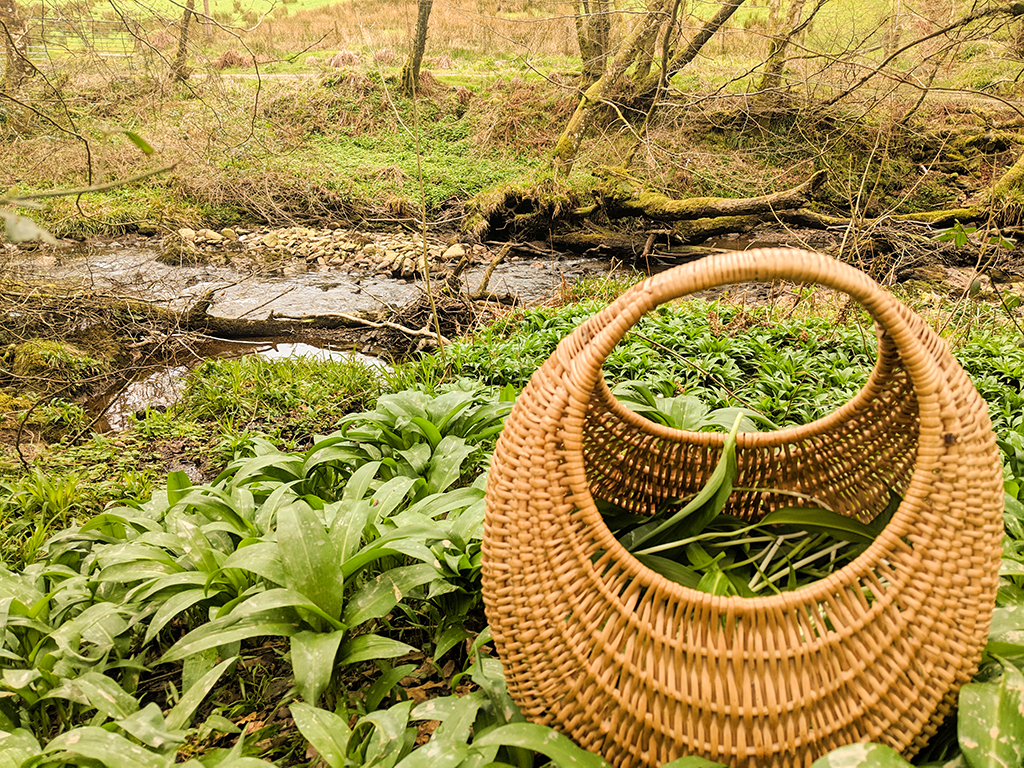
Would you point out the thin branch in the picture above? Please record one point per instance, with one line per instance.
(971, 17)
(426, 332)
(96, 188)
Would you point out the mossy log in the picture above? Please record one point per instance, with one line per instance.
(681, 233)
(623, 196)
(804, 217)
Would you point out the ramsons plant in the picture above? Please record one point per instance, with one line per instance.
(365, 546)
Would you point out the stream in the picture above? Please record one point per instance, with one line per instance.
(310, 280)
(134, 271)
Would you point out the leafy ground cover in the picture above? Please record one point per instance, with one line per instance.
(317, 598)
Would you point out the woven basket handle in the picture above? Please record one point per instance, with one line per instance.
(584, 352)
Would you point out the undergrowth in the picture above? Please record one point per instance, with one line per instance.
(318, 587)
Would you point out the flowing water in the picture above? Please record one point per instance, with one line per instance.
(134, 271)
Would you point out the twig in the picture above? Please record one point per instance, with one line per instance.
(1009, 313)
(103, 411)
(95, 188)
(975, 16)
(24, 420)
(426, 332)
(268, 301)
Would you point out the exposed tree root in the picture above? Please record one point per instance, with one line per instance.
(522, 212)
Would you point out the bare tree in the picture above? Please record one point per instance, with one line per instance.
(600, 94)
(781, 35)
(411, 70)
(678, 58)
(179, 67)
(14, 31)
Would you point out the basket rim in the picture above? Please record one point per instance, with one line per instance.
(887, 319)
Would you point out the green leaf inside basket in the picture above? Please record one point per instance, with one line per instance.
(693, 542)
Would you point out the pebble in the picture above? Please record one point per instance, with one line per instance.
(330, 247)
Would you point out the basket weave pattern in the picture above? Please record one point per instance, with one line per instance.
(644, 670)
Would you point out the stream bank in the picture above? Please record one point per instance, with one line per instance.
(278, 279)
(284, 280)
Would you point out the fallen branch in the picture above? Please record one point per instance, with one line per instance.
(804, 217)
(481, 289)
(624, 195)
(426, 332)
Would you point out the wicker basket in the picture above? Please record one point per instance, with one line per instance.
(644, 670)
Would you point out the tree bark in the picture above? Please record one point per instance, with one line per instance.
(179, 67)
(564, 155)
(411, 70)
(593, 28)
(14, 32)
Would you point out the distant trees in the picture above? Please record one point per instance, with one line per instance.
(14, 33)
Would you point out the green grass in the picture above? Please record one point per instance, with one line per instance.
(452, 169)
(225, 405)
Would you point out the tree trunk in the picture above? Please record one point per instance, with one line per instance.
(625, 196)
(593, 27)
(647, 51)
(206, 20)
(568, 145)
(772, 77)
(597, 95)
(14, 32)
(411, 70)
(179, 67)
(684, 56)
